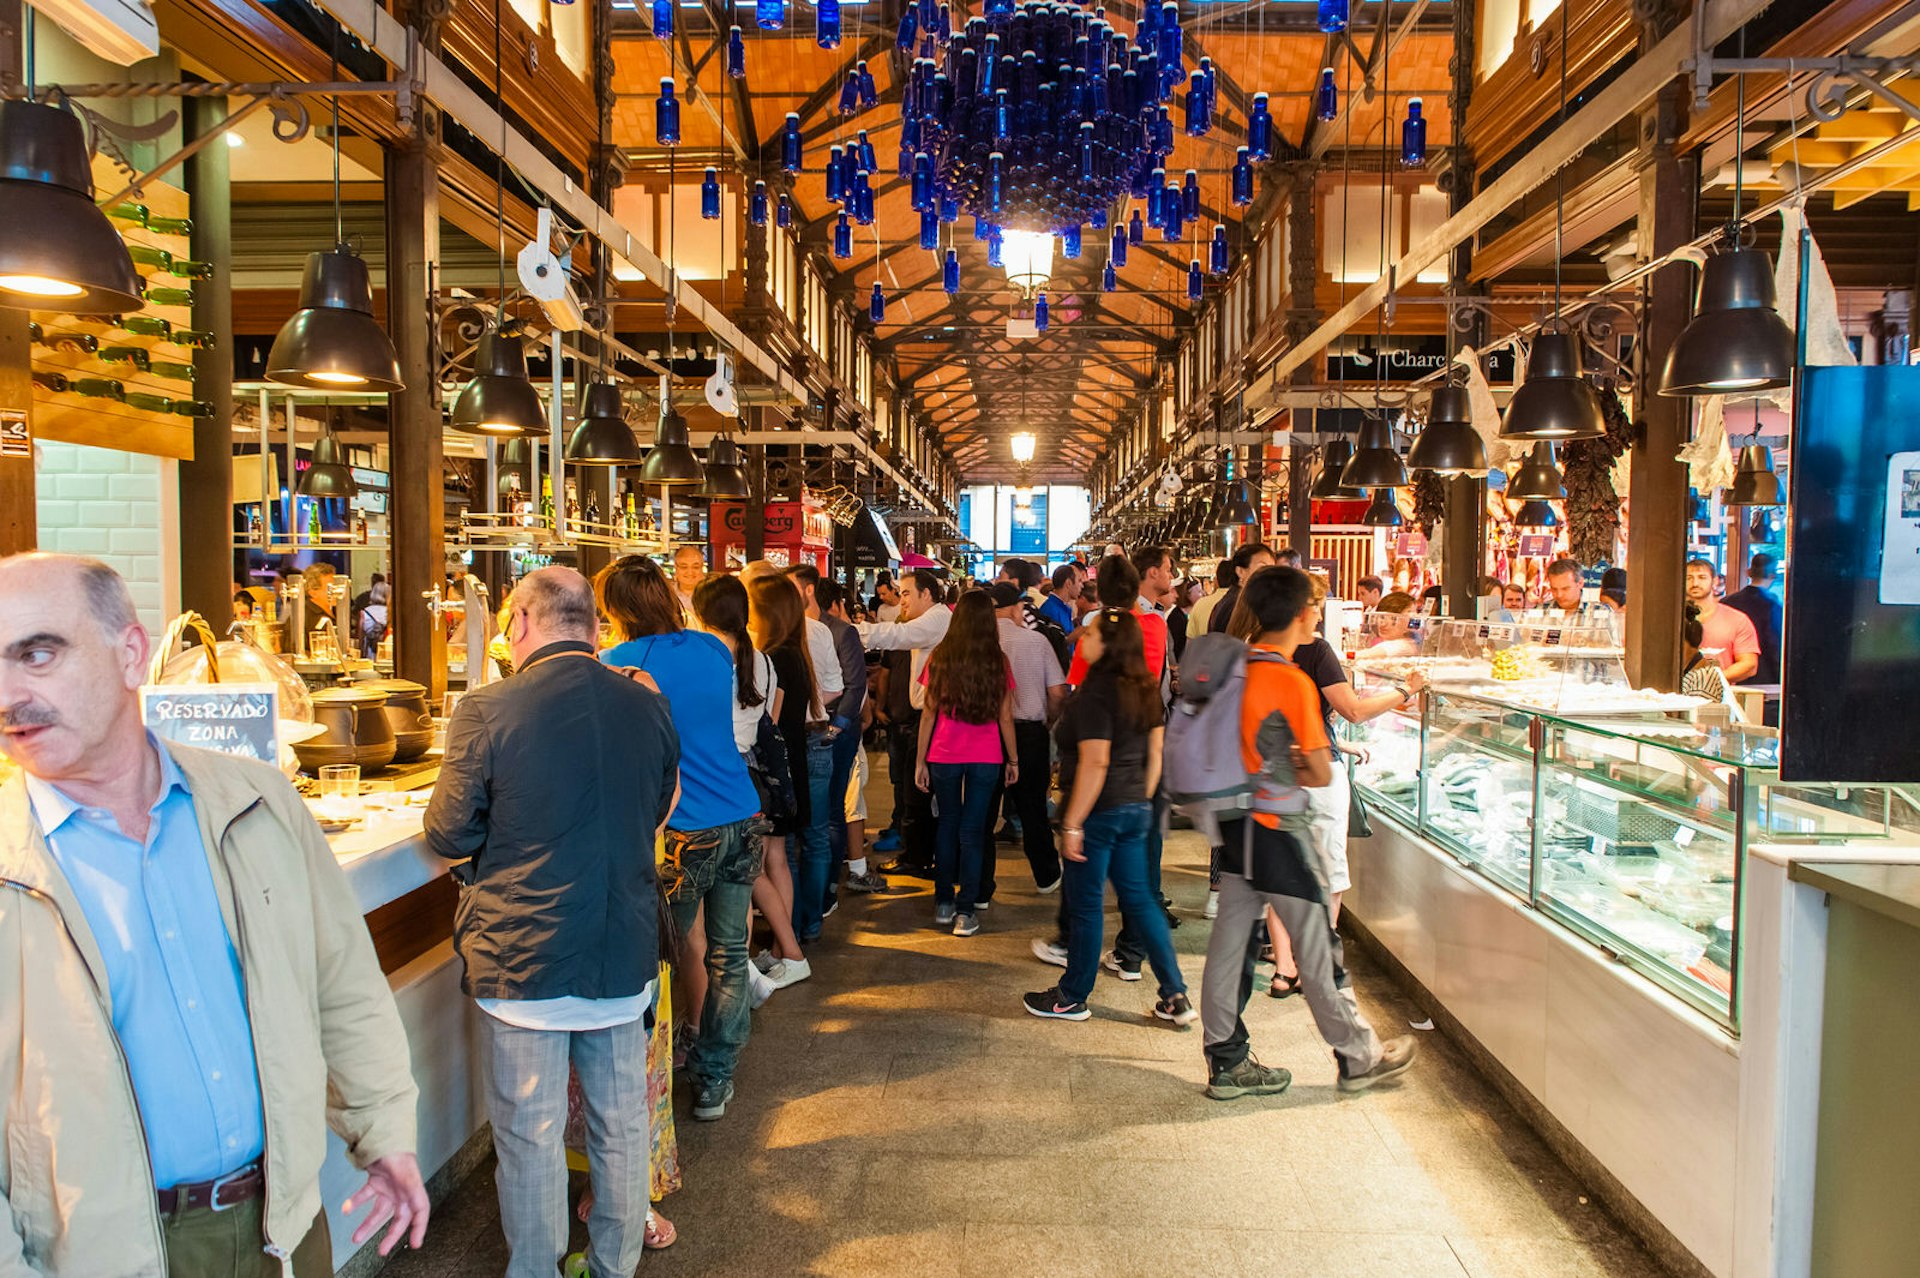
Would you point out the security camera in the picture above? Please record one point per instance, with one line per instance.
(544, 276)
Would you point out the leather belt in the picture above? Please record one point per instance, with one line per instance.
(222, 1192)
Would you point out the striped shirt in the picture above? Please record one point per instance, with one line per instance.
(1035, 669)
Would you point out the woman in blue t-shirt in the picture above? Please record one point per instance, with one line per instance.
(711, 862)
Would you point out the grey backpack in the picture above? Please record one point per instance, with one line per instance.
(1204, 773)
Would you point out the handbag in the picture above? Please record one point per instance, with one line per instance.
(772, 775)
(1359, 823)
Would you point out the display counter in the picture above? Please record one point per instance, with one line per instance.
(1598, 908)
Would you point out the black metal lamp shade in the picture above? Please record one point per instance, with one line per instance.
(1755, 483)
(1327, 485)
(726, 474)
(1449, 445)
(333, 342)
(500, 400)
(328, 474)
(1736, 340)
(1240, 507)
(1536, 513)
(514, 462)
(1383, 511)
(1554, 402)
(1538, 477)
(58, 251)
(1376, 463)
(671, 460)
(603, 437)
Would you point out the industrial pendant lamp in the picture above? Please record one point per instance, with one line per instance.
(603, 437)
(1383, 511)
(726, 474)
(1328, 485)
(515, 462)
(500, 400)
(58, 251)
(1377, 462)
(1240, 507)
(671, 460)
(1536, 513)
(1736, 340)
(333, 342)
(1537, 477)
(1555, 401)
(327, 474)
(1755, 483)
(1449, 445)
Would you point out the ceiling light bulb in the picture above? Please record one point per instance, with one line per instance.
(1023, 445)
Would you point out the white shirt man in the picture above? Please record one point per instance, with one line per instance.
(922, 625)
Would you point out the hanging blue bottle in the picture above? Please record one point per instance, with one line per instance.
(1109, 278)
(1260, 129)
(1217, 259)
(1136, 233)
(982, 229)
(842, 238)
(1242, 178)
(663, 20)
(950, 273)
(1326, 98)
(783, 211)
(666, 115)
(923, 181)
(1196, 284)
(1098, 218)
(1199, 110)
(995, 181)
(850, 94)
(826, 23)
(736, 54)
(868, 161)
(909, 30)
(1086, 150)
(1413, 136)
(1190, 197)
(790, 144)
(1156, 199)
(1168, 42)
(1332, 16)
(1117, 251)
(869, 96)
(877, 305)
(949, 209)
(1172, 216)
(863, 199)
(770, 15)
(993, 246)
(998, 9)
(929, 230)
(1070, 243)
(1040, 313)
(757, 205)
(836, 179)
(710, 196)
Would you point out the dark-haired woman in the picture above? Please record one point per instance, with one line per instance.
(1110, 737)
(966, 745)
(780, 631)
(710, 856)
(720, 608)
(1699, 674)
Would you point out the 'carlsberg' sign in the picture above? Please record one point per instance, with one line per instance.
(234, 718)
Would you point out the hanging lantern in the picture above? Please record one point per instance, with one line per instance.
(1538, 477)
(327, 474)
(332, 341)
(59, 252)
(1536, 513)
(514, 468)
(1327, 485)
(725, 477)
(500, 400)
(1376, 464)
(1555, 401)
(1755, 483)
(1736, 340)
(603, 437)
(671, 460)
(1449, 445)
(1383, 511)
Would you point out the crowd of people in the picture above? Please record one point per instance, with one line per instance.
(722, 720)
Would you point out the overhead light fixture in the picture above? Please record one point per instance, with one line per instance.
(1023, 496)
(1536, 513)
(59, 252)
(1028, 259)
(603, 437)
(514, 463)
(1327, 485)
(327, 474)
(333, 342)
(1383, 511)
(1736, 340)
(1239, 507)
(1538, 477)
(1376, 464)
(1022, 446)
(671, 461)
(500, 400)
(1755, 483)
(725, 471)
(1449, 445)
(1555, 401)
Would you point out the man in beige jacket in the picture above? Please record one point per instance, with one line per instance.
(188, 994)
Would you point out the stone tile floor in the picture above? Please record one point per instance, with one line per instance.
(901, 1114)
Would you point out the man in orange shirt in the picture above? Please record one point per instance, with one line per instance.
(1284, 740)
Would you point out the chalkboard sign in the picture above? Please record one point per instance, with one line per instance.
(233, 718)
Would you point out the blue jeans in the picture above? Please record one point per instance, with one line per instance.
(717, 871)
(809, 852)
(1114, 842)
(965, 793)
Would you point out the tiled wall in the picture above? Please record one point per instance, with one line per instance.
(119, 507)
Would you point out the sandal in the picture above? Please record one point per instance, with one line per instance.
(1283, 986)
(660, 1232)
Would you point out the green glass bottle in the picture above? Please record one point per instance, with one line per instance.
(125, 355)
(171, 370)
(144, 325)
(170, 296)
(170, 225)
(98, 387)
(81, 343)
(147, 255)
(51, 381)
(191, 337)
(192, 408)
(187, 269)
(134, 213)
(147, 403)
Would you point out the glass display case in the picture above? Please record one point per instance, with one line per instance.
(1632, 830)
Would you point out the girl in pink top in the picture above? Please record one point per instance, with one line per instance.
(966, 746)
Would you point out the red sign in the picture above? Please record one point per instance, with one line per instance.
(1410, 546)
(1536, 546)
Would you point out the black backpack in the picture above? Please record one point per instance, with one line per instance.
(1050, 630)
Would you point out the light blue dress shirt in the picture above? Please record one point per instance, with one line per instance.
(179, 1007)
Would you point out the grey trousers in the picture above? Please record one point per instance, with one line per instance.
(527, 1102)
(1228, 979)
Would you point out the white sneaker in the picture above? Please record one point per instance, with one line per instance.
(1213, 905)
(759, 988)
(789, 972)
(1048, 952)
(764, 960)
(981, 907)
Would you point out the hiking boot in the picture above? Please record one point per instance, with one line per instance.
(1054, 1006)
(1248, 1078)
(1396, 1058)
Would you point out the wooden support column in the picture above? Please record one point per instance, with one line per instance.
(419, 486)
(1303, 274)
(1657, 496)
(207, 569)
(1462, 554)
(19, 518)
(755, 532)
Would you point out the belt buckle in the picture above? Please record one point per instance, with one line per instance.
(221, 1182)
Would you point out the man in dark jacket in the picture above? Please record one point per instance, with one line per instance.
(555, 785)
